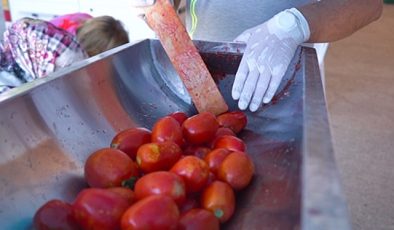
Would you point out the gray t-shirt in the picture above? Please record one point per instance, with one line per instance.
(224, 20)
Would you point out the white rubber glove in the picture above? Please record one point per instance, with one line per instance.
(270, 48)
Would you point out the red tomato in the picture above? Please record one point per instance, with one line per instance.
(96, 208)
(231, 143)
(235, 120)
(215, 158)
(167, 129)
(219, 198)
(55, 214)
(129, 140)
(198, 151)
(161, 183)
(109, 168)
(194, 172)
(158, 156)
(126, 193)
(180, 117)
(200, 128)
(198, 219)
(156, 212)
(237, 170)
(192, 201)
(222, 131)
(211, 178)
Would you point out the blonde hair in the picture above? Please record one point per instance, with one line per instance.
(102, 33)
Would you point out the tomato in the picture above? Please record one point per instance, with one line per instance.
(156, 212)
(194, 172)
(222, 131)
(109, 168)
(237, 170)
(215, 158)
(211, 178)
(192, 201)
(167, 129)
(158, 156)
(231, 143)
(235, 120)
(200, 128)
(55, 214)
(129, 140)
(219, 198)
(161, 183)
(180, 117)
(198, 219)
(198, 151)
(126, 193)
(96, 208)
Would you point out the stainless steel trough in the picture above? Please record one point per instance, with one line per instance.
(50, 126)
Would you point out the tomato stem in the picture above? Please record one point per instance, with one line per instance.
(218, 213)
(130, 183)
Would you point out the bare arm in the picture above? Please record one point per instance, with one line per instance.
(331, 20)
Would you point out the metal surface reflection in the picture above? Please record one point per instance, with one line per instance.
(49, 127)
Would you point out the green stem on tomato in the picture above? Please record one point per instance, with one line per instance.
(130, 183)
(218, 213)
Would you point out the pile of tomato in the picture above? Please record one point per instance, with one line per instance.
(182, 174)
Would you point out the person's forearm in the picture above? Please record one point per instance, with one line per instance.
(335, 19)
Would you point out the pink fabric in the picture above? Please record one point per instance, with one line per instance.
(70, 22)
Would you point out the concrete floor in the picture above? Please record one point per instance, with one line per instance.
(360, 95)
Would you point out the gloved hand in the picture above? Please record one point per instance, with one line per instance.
(270, 48)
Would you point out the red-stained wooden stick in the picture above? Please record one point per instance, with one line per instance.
(206, 96)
